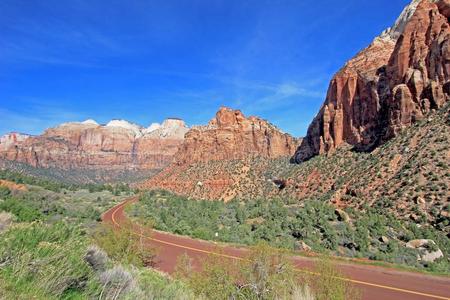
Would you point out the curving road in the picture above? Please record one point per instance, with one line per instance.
(374, 282)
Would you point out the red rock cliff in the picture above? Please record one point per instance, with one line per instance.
(230, 135)
(117, 145)
(204, 165)
(397, 80)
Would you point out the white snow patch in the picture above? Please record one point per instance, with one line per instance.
(89, 122)
(152, 127)
(170, 128)
(136, 129)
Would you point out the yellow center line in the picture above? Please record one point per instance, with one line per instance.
(297, 269)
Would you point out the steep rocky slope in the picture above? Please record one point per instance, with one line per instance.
(409, 176)
(229, 137)
(117, 146)
(392, 99)
(396, 81)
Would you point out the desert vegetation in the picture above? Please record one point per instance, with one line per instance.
(53, 247)
(78, 176)
(50, 250)
(313, 225)
(265, 273)
(61, 261)
(408, 176)
(58, 186)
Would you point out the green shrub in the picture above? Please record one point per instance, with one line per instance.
(329, 283)
(45, 259)
(4, 192)
(124, 245)
(268, 274)
(23, 212)
(285, 226)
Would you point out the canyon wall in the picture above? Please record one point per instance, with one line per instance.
(402, 76)
(215, 159)
(88, 145)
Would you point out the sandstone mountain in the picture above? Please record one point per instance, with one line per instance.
(392, 98)
(116, 146)
(408, 176)
(229, 137)
(396, 81)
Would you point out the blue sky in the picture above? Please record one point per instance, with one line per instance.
(147, 60)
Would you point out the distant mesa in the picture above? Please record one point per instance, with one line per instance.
(118, 145)
(122, 145)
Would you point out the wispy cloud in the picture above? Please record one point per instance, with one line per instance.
(53, 38)
(285, 92)
(35, 116)
(254, 96)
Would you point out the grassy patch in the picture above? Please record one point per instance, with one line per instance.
(46, 259)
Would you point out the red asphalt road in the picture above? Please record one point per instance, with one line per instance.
(374, 282)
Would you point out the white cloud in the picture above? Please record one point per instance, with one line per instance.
(34, 117)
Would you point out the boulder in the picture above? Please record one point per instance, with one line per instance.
(279, 183)
(342, 215)
(302, 246)
(428, 250)
(6, 219)
(384, 239)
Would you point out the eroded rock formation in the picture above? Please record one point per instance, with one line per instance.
(230, 135)
(116, 145)
(11, 139)
(214, 159)
(397, 80)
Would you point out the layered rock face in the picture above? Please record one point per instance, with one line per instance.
(402, 76)
(230, 135)
(116, 145)
(11, 139)
(215, 159)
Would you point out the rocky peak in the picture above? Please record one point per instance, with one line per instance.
(231, 135)
(227, 117)
(173, 123)
(171, 127)
(397, 29)
(76, 125)
(90, 122)
(151, 128)
(387, 86)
